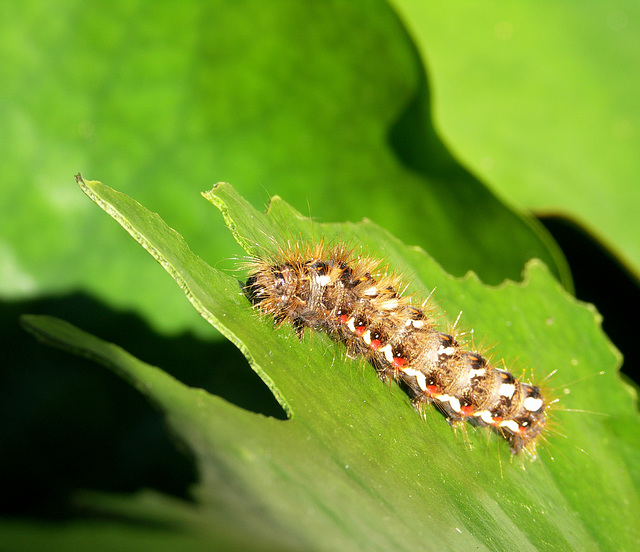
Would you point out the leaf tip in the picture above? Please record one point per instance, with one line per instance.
(85, 185)
(215, 188)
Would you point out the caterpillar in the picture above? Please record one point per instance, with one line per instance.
(355, 301)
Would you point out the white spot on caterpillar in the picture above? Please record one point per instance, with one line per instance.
(453, 401)
(477, 373)
(323, 280)
(366, 337)
(511, 425)
(351, 324)
(532, 404)
(485, 416)
(448, 351)
(371, 292)
(455, 404)
(420, 377)
(418, 324)
(507, 390)
(388, 352)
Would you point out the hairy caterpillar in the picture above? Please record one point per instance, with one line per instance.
(354, 301)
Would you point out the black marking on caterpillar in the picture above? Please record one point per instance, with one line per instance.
(355, 302)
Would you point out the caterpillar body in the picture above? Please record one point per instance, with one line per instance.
(355, 302)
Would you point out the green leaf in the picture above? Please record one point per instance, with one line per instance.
(542, 104)
(354, 466)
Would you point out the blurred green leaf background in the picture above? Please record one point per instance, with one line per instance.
(445, 122)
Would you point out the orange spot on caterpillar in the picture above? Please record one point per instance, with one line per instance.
(467, 410)
(399, 362)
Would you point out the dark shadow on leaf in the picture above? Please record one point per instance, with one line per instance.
(494, 235)
(601, 279)
(67, 423)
